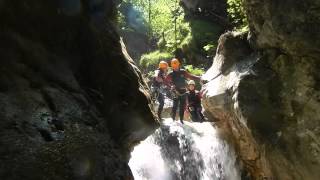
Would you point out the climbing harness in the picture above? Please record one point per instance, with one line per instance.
(175, 94)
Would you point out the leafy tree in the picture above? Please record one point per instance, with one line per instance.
(165, 21)
(237, 14)
(194, 70)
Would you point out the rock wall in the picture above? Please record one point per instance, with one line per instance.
(72, 101)
(264, 90)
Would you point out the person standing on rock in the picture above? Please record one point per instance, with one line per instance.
(194, 102)
(177, 81)
(158, 85)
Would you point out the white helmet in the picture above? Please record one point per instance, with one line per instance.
(191, 82)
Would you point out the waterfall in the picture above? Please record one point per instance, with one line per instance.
(192, 151)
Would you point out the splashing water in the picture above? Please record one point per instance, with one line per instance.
(192, 151)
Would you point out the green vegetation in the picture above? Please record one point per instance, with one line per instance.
(209, 47)
(204, 32)
(152, 59)
(163, 19)
(237, 15)
(205, 36)
(194, 70)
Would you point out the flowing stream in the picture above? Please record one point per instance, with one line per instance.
(192, 151)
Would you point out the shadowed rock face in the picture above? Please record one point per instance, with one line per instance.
(292, 26)
(267, 98)
(72, 101)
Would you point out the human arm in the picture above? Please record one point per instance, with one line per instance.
(191, 76)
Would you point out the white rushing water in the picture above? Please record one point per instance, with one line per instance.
(192, 151)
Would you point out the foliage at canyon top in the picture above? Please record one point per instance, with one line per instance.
(163, 22)
(157, 19)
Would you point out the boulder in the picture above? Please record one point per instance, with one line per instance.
(267, 98)
(231, 98)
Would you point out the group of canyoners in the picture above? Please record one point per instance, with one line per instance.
(180, 86)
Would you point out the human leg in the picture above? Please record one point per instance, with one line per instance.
(161, 104)
(174, 108)
(182, 101)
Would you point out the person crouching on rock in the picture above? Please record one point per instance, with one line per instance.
(158, 85)
(194, 103)
(177, 81)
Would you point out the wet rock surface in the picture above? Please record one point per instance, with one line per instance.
(266, 98)
(72, 101)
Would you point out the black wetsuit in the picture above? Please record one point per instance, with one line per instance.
(178, 79)
(194, 106)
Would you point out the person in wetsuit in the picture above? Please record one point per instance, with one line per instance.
(194, 103)
(177, 80)
(158, 85)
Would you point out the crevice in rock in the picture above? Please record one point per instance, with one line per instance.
(46, 135)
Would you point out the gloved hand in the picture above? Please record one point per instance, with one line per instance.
(203, 81)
